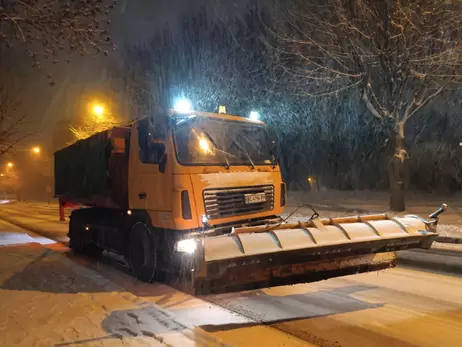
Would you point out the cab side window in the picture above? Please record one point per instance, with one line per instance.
(151, 143)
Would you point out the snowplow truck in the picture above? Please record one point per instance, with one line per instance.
(198, 197)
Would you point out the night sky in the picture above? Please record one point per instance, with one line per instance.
(133, 23)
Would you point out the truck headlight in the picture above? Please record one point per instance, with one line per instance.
(186, 246)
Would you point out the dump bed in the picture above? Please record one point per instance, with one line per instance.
(94, 171)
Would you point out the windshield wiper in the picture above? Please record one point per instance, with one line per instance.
(228, 166)
(243, 150)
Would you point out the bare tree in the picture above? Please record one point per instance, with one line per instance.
(10, 120)
(44, 28)
(210, 63)
(397, 55)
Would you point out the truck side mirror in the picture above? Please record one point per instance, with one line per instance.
(157, 155)
(158, 151)
(163, 163)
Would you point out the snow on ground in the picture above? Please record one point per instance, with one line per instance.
(18, 238)
(47, 301)
(49, 297)
(450, 230)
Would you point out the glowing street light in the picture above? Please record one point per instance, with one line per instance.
(36, 150)
(10, 164)
(98, 110)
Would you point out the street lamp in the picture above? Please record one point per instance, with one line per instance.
(36, 150)
(10, 164)
(98, 109)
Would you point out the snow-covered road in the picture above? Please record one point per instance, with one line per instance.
(48, 297)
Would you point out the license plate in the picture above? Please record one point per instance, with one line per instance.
(255, 198)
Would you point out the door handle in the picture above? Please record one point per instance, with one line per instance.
(142, 196)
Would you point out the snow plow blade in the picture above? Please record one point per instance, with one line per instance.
(268, 256)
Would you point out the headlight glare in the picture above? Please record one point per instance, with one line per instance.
(186, 246)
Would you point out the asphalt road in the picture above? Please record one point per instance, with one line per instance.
(396, 307)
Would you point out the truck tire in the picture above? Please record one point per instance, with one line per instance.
(78, 239)
(92, 250)
(142, 253)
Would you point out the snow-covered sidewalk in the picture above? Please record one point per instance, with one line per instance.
(41, 218)
(46, 300)
(49, 300)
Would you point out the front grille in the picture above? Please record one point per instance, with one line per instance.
(229, 202)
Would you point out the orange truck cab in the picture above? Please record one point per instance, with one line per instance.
(205, 170)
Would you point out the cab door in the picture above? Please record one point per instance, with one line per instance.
(150, 174)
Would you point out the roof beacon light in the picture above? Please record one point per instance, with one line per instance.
(254, 116)
(183, 106)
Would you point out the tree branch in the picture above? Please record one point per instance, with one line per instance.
(423, 103)
(371, 107)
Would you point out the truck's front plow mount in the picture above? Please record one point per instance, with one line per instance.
(266, 256)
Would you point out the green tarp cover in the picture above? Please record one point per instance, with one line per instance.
(81, 169)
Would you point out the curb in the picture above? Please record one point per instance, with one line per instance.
(435, 260)
(449, 239)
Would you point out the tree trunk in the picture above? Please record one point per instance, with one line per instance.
(398, 173)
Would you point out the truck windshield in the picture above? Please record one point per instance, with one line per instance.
(202, 140)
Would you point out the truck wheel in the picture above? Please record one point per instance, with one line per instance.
(142, 253)
(92, 250)
(78, 239)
